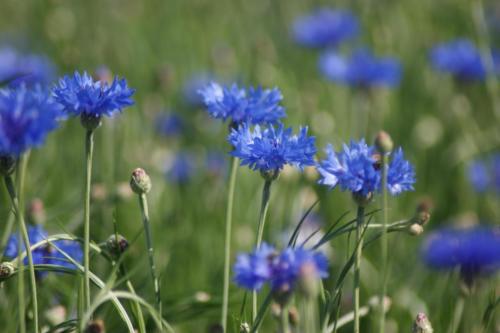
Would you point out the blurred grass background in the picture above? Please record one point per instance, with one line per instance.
(159, 45)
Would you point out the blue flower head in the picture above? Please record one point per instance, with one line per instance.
(29, 69)
(27, 115)
(36, 233)
(479, 176)
(361, 69)
(169, 124)
(474, 250)
(356, 169)
(57, 254)
(496, 171)
(461, 59)
(252, 105)
(191, 88)
(182, 168)
(325, 27)
(81, 95)
(269, 149)
(252, 270)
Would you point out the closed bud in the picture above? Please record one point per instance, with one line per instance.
(422, 324)
(383, 142)
(244, 327)
(6, 270)
(56, 315)
(90, 122)
(140, 182)
(95, 326)
(293, 316)
(7, 165)
(36, 212)
(422, 214)
(415, 229)
(116, 246)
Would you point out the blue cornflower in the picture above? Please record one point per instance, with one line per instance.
(239, 105)
(36, 233)
(216, 163)
(325, 27)
(169, 124)
(461, 58)
(479, 176)
(253, 270)
(269, 149)
(81, 95)
(289, 264)
(54, 256)
(182, 168)
(26, 117)
(191, 88)
(17, 68)
(356, 169)
(496, 171)
(474, 250)
(361, 69)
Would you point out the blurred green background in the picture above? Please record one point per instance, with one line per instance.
(158, 46)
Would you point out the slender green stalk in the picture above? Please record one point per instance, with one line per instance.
(24, 233)
(149, 243)
(89, 150)
(310, 315)
(227, 242)
(285, 324)
(357, 264)
(6, 234)
(384, 246)
(137, 307)
(20, 287)
(457, 315)
(266, 193)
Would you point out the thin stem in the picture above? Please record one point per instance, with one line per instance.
(89, 150)
(137, 307)
(266, 193)
(227, 242)
(384, 239)
(357, 264)
(285, 324)
(6, 234)
(457, 315)
(20, 287)
(24, 233)
(149, 243)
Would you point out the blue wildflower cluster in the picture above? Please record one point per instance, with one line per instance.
(169, 124)
(484, 175)
(280, 269)
(361, 69)
(356, 169)
(47, 254)
(474, 250)
(17, 68)
(325, 27)
(81, 95)
(239, 105)
(27, 115)
(271, 148)
(462, 59)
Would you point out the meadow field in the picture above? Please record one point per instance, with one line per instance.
(424, 72)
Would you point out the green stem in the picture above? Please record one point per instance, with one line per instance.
(20, 287)
(89, 150)
(6, 234)
(24, 233)
(457, 315)
(384, 239)
(357, 264)
(266, 193)
(285, 324)
(149, 243)
(227, 242)
(137, 307)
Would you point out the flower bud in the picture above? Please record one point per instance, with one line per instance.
(7, 165)
(140, 182)
(308, 280)
(95, 326)
(293, 316)
(423, 215)
(415, 229)
(383, 142)
(56, 315)
(90, 122)
(36, 212)
(362, 200)
(244, 327)
(6, 270)
(116, 247)
(422, 324)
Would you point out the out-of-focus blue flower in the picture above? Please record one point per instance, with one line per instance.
(287, 267)
(169, 124)
(239, 105)
(462, 59)
(81, 95)
(271, 148)
(474, 250)
(54, 256)
(361, 69)
(325, 27)
(26, 117)
(182, 168)
(280, 270)
(191, 88)
(17, 68)
(496, 171)
(252, 270)
(356, 169)
(401, 174)
(479, 176)
(36, 234)
(353, 168)
(216, 163)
